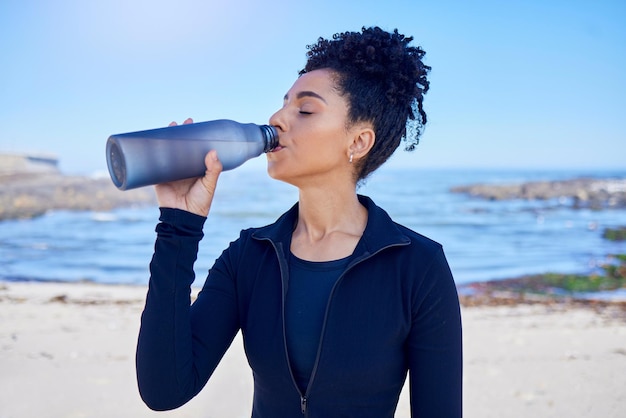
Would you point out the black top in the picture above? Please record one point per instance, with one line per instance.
(310, 285)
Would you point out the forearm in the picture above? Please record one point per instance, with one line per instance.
(165, 367)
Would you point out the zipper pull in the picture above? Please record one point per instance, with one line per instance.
(303, 405)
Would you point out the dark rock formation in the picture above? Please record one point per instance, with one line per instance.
(31, 186)
(580, 193)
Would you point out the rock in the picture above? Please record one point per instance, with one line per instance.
(11, 164)
(582, 193)
(31, 187)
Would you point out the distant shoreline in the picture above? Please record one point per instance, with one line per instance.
(32, 185)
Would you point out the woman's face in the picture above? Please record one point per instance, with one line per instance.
(313, 132)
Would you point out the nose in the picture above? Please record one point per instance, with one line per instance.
(278, 121)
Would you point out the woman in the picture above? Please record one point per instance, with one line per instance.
(335, 301)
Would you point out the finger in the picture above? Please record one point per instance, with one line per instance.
(172, 124)
(188, 121)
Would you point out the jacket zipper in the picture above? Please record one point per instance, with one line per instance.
(303, 397)
(303, 404)
(283, 272)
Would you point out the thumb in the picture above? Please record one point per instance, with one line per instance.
(213, 170)
(213, 165)
(201, 194)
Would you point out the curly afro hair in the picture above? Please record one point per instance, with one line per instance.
(384, 81)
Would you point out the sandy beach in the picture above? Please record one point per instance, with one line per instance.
(67, 350)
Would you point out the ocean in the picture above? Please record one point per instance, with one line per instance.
(483, 240)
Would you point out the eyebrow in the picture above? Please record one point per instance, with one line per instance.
(307, 93)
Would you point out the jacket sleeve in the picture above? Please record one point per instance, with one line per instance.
(435, 345)
(177, 352)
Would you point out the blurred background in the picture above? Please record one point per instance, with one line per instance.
(522, 91)
(526, 95)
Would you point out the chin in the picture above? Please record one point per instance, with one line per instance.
(273, 171)
(276, 172)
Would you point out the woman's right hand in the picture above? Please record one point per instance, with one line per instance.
(192, 195)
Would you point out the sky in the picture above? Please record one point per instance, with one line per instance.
(514, 84)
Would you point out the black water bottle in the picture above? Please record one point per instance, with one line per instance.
(156, 156)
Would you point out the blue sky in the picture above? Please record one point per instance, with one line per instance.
(529, 84)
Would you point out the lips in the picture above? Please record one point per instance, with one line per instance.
(277, 148)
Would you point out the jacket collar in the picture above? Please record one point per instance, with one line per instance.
(380, 231)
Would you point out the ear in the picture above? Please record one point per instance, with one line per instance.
(362, 142)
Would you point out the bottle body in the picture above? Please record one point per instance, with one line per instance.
(160, 155)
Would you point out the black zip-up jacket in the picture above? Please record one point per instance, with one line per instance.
(394, 309)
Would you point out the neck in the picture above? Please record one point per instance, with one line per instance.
(330, 223)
